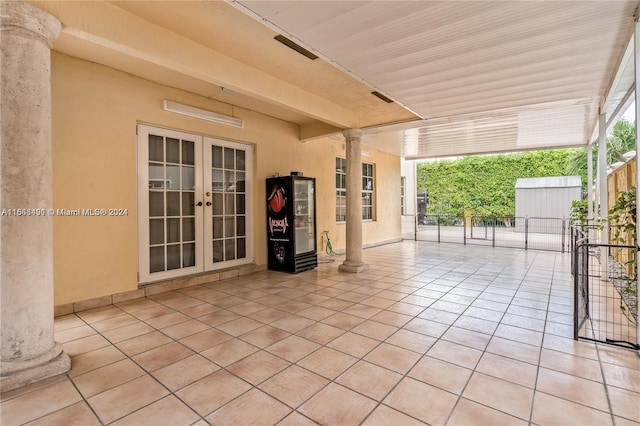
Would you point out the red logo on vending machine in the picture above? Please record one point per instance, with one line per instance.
(277, 200)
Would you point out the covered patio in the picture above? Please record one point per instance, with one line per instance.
(430, 334)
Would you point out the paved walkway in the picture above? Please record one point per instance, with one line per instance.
(431, 334)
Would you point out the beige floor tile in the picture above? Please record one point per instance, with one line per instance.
(441, 374)
(549, 410)
(471, 413)
(337, 405)
(571, 364)
(152, 312)
(377, 302)
(508, 369)
(570, 346)
(296, 419)
(343, 321)
(392, 357)
(406, 308)
(619, 356)
(143, 343)
(107, 377)
(374, 330)
(66, 322)
(247, 308)
(565, 386)
(184, 372)
(126, 332)
(463, 356)
(476, 324)
(75, 333)
(385, 416)
(95, 359)
(518, 334)
(85, 344)
(620, 421)
(411, 340)
(316, 313)
(166, 411)
(515, 350)
(293, 348)
(252, 408)
(6, 396)
(428, 327)
(127, 398)
(369, 379)
(200, 310)
(320, 333)
(294, 385)
(161, 356)
(229, 352)
(78, 414)
(265, 336)
(164, 321)
(184, 329)
(268, 315)
(136, 305)
(114, 323)
(327, 362)
(504, 396)
(468, 338)
(205, 339)
(38, 403)
(622, 377)
(292, 323)
(392, 318)
(362, 311)
(100, 314)
(212, 392)
(422, 401)
(258, 367)
(625, 403)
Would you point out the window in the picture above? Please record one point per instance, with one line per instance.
(368, 190)
(403, 185)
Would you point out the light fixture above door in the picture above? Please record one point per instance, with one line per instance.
(202, 114)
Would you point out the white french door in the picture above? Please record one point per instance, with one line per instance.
(194, 203)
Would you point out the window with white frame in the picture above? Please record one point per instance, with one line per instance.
(368, 190)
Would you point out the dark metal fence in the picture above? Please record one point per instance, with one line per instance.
(605, 291)
(518, 232)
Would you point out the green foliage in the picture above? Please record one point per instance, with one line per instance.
(622, 216)
(579, 212)
(622, 139)
(485, 185)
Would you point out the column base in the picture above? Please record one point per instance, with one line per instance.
(18, 373)
(354, 267)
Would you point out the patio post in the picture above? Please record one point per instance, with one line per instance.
(353, 261)
(602, 183)
(29, 352)
(636, 57)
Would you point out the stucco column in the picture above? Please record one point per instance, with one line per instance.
(28, 350)
(353, 261)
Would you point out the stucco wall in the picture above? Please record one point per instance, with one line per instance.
(95, 113)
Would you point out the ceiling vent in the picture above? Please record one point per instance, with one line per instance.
(383, 97)
(301, 50)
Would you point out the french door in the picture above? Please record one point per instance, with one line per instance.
(194, 203)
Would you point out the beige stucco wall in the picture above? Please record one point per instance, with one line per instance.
(95, 113)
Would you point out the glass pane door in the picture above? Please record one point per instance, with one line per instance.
(303, 215)
(226, 203)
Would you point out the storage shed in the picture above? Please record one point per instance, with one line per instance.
(545, 201)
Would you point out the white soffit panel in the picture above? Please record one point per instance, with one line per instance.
(452, 59)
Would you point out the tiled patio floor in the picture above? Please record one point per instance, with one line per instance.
(431, 334)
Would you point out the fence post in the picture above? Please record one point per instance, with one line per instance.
(526, 233)
(415, 227)
(464, 231)
(493, 237)
(438, 220)
(564, 232)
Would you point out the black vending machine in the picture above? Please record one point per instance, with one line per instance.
(291, 223)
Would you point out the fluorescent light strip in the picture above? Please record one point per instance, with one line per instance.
(202, 114)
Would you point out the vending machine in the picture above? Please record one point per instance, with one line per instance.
(291, 223)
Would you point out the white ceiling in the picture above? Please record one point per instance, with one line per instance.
(480, 76)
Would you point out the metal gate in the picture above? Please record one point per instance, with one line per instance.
(605, 301)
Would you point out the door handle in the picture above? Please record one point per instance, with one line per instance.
(199, 203)
(208, 203)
